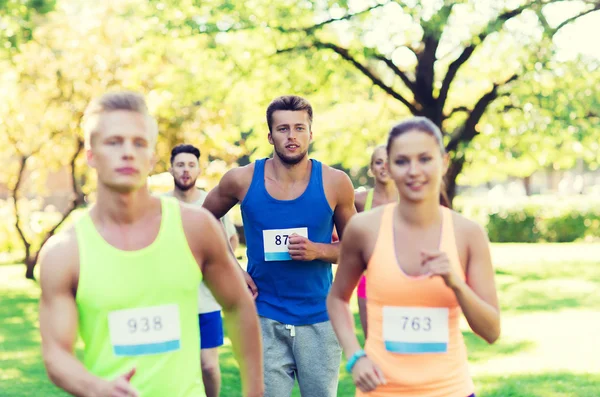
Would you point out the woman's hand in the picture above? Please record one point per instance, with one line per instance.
(367, 376)
(436, 263)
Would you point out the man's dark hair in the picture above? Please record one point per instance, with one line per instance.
(184, 148)
(288, 102)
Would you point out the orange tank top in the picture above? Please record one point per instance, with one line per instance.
(414, 334)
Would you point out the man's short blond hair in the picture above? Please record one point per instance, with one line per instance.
(114, 101)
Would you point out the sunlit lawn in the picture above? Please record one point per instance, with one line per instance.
(550, 346)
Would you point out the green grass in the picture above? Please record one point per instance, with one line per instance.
(550, 297)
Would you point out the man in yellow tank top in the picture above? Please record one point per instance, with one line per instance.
(126, 276)
(425, 267)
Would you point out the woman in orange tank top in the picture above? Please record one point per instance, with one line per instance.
(425, 266)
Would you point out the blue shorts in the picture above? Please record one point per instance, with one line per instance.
(211, 330)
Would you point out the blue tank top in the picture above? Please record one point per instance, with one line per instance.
(291, 292)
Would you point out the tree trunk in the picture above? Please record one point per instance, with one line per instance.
(15, 197)
(78, 200)
(30, 265)
(527, 185)
(423, 101)
(455, 168)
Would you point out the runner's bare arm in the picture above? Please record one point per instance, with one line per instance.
(478, 298)
(344, 210)
(300, 248)
(367, 376)
(223, 278)
(359, 200)
(230, 190)
(350, 268)
(226, 194)
(58, 321)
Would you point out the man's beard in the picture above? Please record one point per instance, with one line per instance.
(184, 188)
(291, 160)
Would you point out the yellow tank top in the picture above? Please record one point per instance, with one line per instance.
(413, 322)
(369, 200)
(139, 309)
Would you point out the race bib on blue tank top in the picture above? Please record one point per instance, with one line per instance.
(276, 242)
(415, 330)
(147, 330)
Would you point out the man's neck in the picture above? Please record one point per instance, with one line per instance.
(291, 173)
(187, 196)
(122, 208)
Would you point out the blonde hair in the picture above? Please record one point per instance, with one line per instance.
(114, 101)
(384, 147)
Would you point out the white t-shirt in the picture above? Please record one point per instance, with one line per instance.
(206, 301)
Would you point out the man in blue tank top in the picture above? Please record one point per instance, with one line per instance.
(290, 204)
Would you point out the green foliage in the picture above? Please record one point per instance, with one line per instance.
(109, 56)
(18, 20)
(387, 43)
(548, 120)
(535, 219)
(210, 68)
(511, 226)
(9, 240)
(567, 227)
(33, 225)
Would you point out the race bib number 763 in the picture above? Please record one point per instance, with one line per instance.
(415, 330)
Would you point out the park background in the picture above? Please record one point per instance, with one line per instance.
(512, 84)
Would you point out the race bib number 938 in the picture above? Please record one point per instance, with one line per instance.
(147, 330)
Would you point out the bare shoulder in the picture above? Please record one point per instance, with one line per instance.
(199, 225)
(205, 235)
(63, 243)
(59, 260)
(235, 183)
(361, 195)
(334, 175)
(372, 218)
(338, 180)
(469, 229)
(194, 217)
(239, 176)
(365, 224)
(243, 171)
(360, 199)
